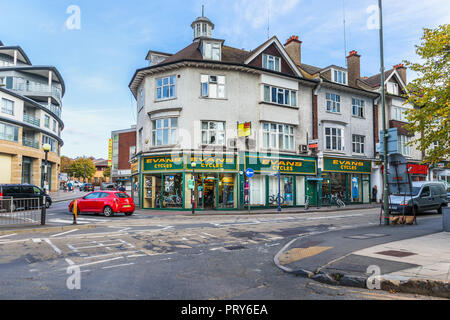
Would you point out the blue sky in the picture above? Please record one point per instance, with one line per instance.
(98, 60)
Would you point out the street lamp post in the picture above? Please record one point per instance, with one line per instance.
(193, 165)
(385, 135)
(46, 148)
(279, 190)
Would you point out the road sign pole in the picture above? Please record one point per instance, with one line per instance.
(279, 190)
(249, 195)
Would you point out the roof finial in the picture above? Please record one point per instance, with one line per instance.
(203, 10)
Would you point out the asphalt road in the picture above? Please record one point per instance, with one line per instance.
(171, 257)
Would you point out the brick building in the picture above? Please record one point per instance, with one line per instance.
(123, 149)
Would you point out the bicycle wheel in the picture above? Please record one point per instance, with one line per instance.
(307, 204)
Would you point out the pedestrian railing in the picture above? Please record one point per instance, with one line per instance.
(14, 211)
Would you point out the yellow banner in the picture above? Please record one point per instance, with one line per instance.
(109, 152)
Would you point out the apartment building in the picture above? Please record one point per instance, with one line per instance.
(30, 116)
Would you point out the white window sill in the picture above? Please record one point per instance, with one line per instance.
(338, 113)
(208, 98)
(162, 100)
(358, 117)
(278, 105)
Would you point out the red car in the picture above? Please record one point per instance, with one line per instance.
(108, 202)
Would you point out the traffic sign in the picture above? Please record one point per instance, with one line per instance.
(249, 172)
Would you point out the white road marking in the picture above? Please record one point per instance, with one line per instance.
(97, 262)
(110, 254)
(53, 246)
(60, 234)
(37, 240)
(136, 255)
(8, 235)
(119, 265)
(209, 235)
(66, 221)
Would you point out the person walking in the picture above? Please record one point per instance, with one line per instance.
(374, 193)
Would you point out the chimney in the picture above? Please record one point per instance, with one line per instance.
(401, 70)
(353, 67)
(293, 47)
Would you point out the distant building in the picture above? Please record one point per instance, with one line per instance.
(123, 149)
(99, 178)
(30, 116)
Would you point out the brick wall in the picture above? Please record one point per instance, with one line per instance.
(126, 140)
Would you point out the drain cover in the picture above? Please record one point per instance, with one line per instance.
(235, 248)
(395, 253)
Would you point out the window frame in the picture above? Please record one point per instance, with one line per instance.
(336, 73)
(333, 103)
(4, 135)
(293, 99)
(266, 60)
(210, 83)
(212, 54)
(210, 130)
(339, 138)
(169, 128)
(358, 142)
(360, 105)
(5, 103)
(402, 146)
(164, 85)
(276, 133)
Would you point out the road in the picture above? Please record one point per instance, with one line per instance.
(172, 257)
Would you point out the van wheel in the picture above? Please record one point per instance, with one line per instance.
(439, 211)
(107, 211)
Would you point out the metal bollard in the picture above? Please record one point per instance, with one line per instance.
(75, 211)
(43, 209)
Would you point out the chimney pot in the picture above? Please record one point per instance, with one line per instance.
(293, 47)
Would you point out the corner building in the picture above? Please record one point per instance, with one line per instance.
(189, 106)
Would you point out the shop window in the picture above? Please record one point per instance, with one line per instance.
(355, 184)
(258, 190)
(286, 191)
(227, 189)
(300, 190)
(152, 191)
(173, 191)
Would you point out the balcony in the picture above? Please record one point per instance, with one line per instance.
(31, 120)
(56, 110)
(27, 142)
(36, 88)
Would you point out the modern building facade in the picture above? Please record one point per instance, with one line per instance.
(30, 116)
(190, 105)
(123, 149)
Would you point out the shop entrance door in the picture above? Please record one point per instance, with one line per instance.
(209, 193)
(311, 191)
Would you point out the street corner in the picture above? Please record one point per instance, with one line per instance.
(42, 229)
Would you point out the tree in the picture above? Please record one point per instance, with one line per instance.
(82, 167)
(66, 162)
(107, 172)
(430, 94)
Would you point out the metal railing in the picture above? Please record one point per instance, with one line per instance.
(27, 142)
(14, 211)
(31, 120)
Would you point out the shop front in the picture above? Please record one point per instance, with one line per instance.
(284, 174)
(418, 172)
(172, 181)
(135, 185)
(347, 179)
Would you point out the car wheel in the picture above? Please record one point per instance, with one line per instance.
(129, 213)
(107, 211)
(47, 204)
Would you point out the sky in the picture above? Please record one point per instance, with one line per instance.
(98, 56)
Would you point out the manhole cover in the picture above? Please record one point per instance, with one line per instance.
(235, 248)
(395, 253)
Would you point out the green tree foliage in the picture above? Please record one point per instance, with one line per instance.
(66, 162)
(107, 172)
(77, 169)
(430, 94)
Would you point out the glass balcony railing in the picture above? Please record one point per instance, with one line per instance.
(27, 142)
(31, 120)
(21, 84)
(56, 110)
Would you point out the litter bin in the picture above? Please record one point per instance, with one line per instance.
(446, 218)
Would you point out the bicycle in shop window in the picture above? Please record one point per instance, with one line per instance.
(273, 199)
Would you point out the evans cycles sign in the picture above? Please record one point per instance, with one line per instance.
(284, 165)
(212, 162)
(346, 165)
(163, 163)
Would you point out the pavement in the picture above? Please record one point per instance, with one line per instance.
(401, 258)
(60, 195)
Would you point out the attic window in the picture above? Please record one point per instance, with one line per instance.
(271, 63)
(392, 88)
(339, 76)
(211, 51)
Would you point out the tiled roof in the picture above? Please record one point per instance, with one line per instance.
(374, 81)
(310, 69)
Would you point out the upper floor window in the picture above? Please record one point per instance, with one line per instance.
(140, 137)
(358, 107)
(8, 106)
(278, 136)
(47, 121)
(213, 133)
(8, 132)
(165, 131)
(271, 63)
(50, 141)
(141, 97)
(54, 125)
(403, 146)
(339, 76)
(392, 88)
(165, 87)
(333, 102)
(280, 96)
(358, 143)
(334, 139)
(213, 86)
(398, 113)
(211, 50)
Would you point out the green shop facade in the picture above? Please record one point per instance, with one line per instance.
(348, 179)
(218, 181)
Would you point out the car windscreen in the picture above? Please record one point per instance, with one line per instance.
(415, 191)
(121, 195)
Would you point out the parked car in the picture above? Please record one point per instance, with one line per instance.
(82, 187)
(21, 192)
(87, 187)
(106, 202)
(426, 196)
(108, 186)
(75, 184)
